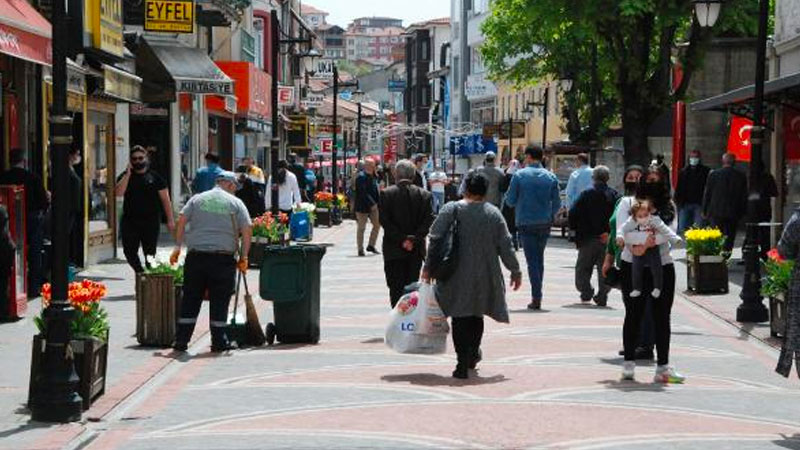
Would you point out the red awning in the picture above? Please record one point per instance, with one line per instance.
(24, 33)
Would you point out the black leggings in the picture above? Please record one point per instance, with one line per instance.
(467, 336)
(635, 308)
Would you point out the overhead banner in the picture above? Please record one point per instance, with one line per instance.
(169, 16)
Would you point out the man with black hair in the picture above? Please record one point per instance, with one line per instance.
(206, 177)
(725, 199)
(535, 195)
(296, 167)
(36, 203)
(145, 196)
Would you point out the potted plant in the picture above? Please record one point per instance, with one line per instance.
(341, 208)
(324, 202)
(708, 269)
(89, 342)
(775, 286)
(267, 231)
(159, 294)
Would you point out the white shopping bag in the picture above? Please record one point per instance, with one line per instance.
(406, 319)
(434, 322)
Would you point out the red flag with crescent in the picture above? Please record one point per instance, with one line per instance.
(791, 134)
(739, 142)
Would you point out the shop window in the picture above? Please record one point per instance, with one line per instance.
(100, 148)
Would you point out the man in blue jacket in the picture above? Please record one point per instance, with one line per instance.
(535, 195)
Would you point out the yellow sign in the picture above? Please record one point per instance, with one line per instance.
(174, 16)
(106, 26)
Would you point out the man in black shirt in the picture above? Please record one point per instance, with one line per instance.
(296, 167)
(145, 196)
(36, 203)
(689, 193)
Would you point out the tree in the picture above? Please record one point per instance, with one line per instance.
(632, 43)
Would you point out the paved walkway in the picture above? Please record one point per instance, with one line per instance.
(548, 380)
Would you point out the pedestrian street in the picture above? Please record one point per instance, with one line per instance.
(550, 379)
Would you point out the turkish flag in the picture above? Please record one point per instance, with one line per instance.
(739, 138)
(791, 134)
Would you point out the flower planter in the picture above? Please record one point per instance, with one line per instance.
(91, 364)
(158, 303)
(777, 316)
(707, 274)
(324, 216)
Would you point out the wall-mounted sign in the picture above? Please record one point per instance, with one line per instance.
(285, 95)
(121, 84)
(313, 101)
(324, 69)
(325, 145)
(346, 95)
(478, 87)
(397, 85)
(171, 16)
(106, 25)
(501, 130)
(298, 132)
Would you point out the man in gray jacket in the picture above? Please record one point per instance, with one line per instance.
(496, 178)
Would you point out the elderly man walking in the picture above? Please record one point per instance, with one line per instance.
(367, 207)
(535, 195)
(589, 218)
(216, 219)
(406, 214)
(725, 199)
(494, 176)
(579, 180)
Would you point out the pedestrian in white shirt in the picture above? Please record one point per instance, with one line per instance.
(288, 190)
(437, 181)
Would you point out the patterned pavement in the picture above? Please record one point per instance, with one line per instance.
(548, 380)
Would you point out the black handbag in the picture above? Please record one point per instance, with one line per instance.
(613, 278)
(442, 265)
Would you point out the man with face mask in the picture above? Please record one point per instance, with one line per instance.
(145, 196)
(689, 192)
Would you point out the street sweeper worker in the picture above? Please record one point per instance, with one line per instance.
(212, 223)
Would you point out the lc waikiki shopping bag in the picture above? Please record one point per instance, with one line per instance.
(407, 317)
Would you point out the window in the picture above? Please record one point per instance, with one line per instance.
(384, 50)
(456, 73)
(394, 40)
(258, 35)
(351, 42)
(100, 140)
(424, 50)
(384, 40)
(502, 106)
(426, 96)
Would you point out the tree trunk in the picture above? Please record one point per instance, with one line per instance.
(635, 138)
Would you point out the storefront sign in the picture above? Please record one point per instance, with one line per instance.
(298, 132)
(106, 26)
(252, 88)
(501, 130)
(397, 85)
(325, 145)
(221, 87)
(313, 101)
(477, 87)
(171, 16)
(324, 70)
(326, 128)
(285, 95)
(25, 45)
(122, 85)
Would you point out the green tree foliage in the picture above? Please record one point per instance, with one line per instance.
(618, 52)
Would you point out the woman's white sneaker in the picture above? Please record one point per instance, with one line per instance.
(668, 375)
(628, 368)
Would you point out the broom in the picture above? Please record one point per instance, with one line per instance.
(254, 334)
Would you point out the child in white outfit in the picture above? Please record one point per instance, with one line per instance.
(635, 231)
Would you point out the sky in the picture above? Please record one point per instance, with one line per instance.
(342, 12)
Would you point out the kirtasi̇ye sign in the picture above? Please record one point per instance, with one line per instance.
(106, 25)
(172, 16)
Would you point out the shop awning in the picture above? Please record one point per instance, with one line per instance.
(168, 68)
(780, 91)
(24, 33)
(252, 87)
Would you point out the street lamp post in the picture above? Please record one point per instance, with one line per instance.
(335, 172)
(54, 397)
(358, 98)
(528, 111)
(752, 308)
(275, 141)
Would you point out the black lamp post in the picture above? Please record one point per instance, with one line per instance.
(335, 172)
(528, 111)
(275, 141)
(358, 98)
(54, 397)
(752, 308)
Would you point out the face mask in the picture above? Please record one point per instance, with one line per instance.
(630, 187)
(139, 165)
(694, 161)
(76, 161)
(642, 220)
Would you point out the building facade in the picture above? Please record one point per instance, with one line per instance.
(374, 39)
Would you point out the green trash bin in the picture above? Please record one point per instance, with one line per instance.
(290, 278)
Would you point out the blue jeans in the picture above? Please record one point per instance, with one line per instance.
(689, 215)
(438, 201)
(534, 239)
